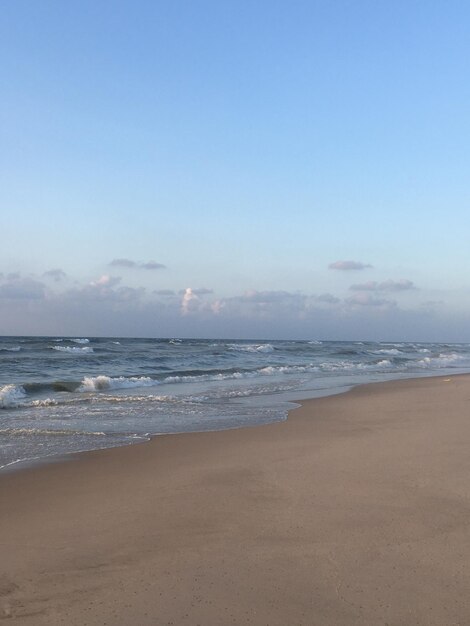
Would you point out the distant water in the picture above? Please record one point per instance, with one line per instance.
(61, 395)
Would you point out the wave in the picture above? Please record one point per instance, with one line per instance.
(73, 349)
(44, 402)
(12, 349)
(243, 347)
(392, 351)
(46, 431)
(350, 366)
(442, 360)
(11, 396)
(80, 340)
(101, 383)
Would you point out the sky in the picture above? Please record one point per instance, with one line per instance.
(235, 169)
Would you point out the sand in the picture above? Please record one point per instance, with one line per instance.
(354, 511)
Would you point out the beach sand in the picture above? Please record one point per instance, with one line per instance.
(354, 511)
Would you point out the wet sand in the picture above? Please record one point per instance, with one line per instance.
(354, 511)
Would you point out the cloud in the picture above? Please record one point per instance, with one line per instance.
(189, 301)
(261, 305)
(152, 265)
(107, 307)
(149, 265)
(266, 297)
(201, 291)
(123, 263)
(431, 305)
(104, 289)
(217, 307)
(367, 300)
(22, 289)
(164, 292)
(106, 281)
(327, 298)
(388, 285)
(56, 274)
(348, 265)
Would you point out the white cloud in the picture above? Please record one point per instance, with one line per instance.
(106, 281)
(189, 302)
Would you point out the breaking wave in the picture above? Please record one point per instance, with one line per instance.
(101, 383)
(260, 348)
(73, 349)
(11, 396)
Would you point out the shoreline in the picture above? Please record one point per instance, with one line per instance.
(21, 465)
(352, 511)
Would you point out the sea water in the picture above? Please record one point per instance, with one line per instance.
(61, 395)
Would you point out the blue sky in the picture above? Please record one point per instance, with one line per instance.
(247, 147)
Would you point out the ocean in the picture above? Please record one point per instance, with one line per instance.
(62, 395)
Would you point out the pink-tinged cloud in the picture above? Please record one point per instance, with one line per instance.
(348, 265)
(189, 302)
(106, 281)
(387, 285)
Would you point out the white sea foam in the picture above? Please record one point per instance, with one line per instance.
(443, 360)
(207, 377)
(101, 383)
(11, 396)
(272, 370)
(391, 351)
(45, 431)
(80, 340)
(44, 402)
(12, 349)
(138, 399)
(73, 349)
(243, 347)
(338, 366)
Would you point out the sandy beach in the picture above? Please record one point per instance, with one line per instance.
(354, 511)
